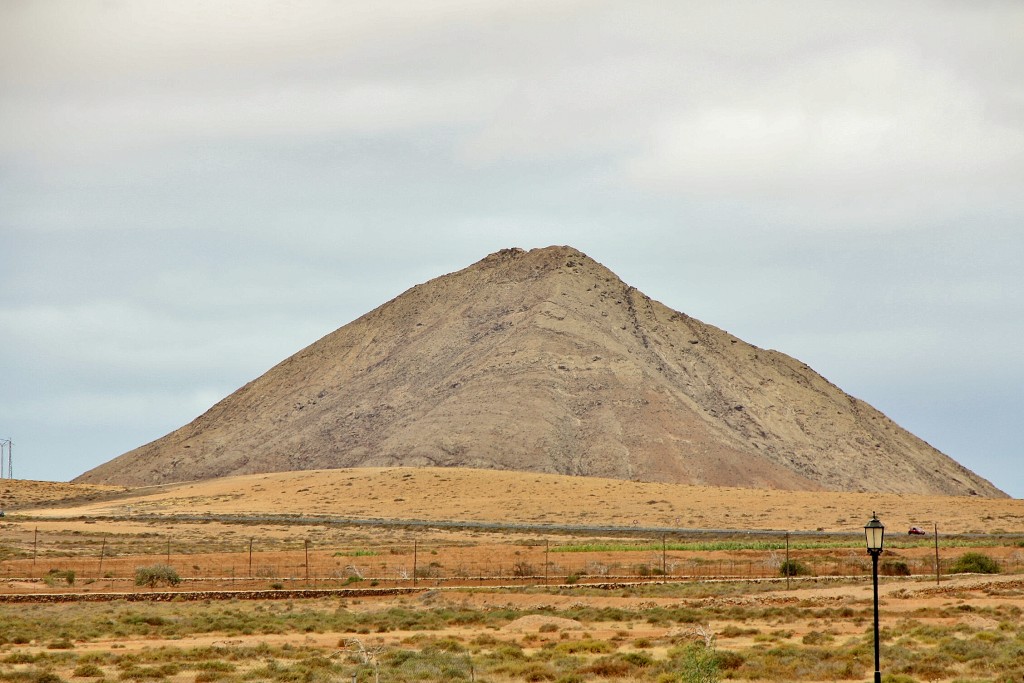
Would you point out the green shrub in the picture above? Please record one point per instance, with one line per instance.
(532, 671)
(638, 659)
(699, 664)
(156, 575)
(55, 576)
(588, 646)
(793, 568)
(727, 660)
(975, 563)
(19, 658)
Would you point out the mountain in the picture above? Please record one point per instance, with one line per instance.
(546, 361)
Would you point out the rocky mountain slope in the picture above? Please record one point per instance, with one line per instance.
(546, 361)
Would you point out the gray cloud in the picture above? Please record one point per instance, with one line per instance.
(191, 193)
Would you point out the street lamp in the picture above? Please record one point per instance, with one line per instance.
(874, 532)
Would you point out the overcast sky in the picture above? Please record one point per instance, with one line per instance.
(192, 191)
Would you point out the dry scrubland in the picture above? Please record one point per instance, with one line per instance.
(504, 497)
(969, 628)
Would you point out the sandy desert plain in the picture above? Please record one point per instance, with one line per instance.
(420, 574)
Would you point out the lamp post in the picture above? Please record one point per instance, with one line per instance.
(874, 532)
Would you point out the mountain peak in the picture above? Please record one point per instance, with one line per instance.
(544, 360)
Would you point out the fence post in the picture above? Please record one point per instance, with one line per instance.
(547, 548)
(663, 563)
(789, 567)
(250, 558)
(414, 549)
(938, 571)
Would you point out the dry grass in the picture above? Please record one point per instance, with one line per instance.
(510, 497)
(17, 493)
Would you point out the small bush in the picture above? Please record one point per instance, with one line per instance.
(523, 569)
(975, 563)
(733, 631)
(816, 638)
(728, 661)
(794, 568)
(209, 676)
(699, 665)
(141, 673)
(588, 646)
(894, 568)
(155, 575)
(609, 667)
(55, 576)
(87, 671)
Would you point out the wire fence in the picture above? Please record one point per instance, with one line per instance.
(61, 564)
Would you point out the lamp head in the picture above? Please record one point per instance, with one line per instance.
(874, 532)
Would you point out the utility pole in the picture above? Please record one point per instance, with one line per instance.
(8, 444)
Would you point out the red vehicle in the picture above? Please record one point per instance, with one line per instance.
(917, 531)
